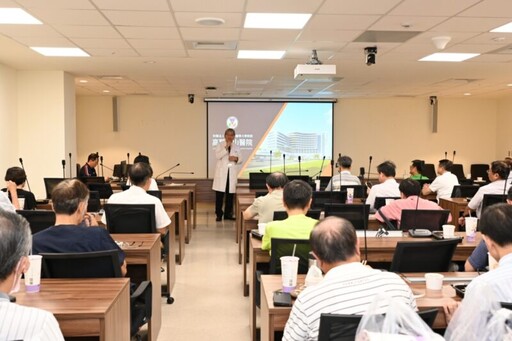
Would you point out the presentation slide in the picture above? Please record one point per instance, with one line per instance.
(273, 135)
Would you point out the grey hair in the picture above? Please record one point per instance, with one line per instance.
(15, 242)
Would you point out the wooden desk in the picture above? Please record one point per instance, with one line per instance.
(185, 194)
(144, 250)
(379, 250)
(177, 205)
(242, 203)
(455, 205)
(85, 307)
(274, 318)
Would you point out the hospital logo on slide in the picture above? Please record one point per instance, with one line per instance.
(232, 122)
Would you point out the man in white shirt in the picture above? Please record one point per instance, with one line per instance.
(18, 322)
(140, 176)
(348, 287)
(344, 177)
(388, 186)
(265, 206)
(143, 158)
(443, 184)
(487, 290)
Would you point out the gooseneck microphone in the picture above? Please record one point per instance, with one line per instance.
(128, 157)
(284, 163)
(321, 168)
(21, 162)
(369, 168)
(446, 155)
(71, 169)
(167, 170)
(453, 157)
(101, 164)
(63, 168)
(270, 169)
(300, 172)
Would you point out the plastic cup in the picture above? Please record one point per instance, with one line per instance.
(471, 223)
(493, 263)
(289, 269)
(21, 201)
(261, 228)
(434, 284)
(350, 195)
(480, 178)
(317, 185)
(33, 274)
(448, 231)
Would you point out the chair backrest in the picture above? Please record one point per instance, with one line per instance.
(458, 171)
(156, 194)
(284, 247)
(49, 185)
(492, 199)
(341, 327)
(38, 220)
(97, 264)
(282, 215)
(357, 214)
(429, 170)
(304, 178)
(381, 201)
(430, 256)
(258, 180)
(94, 204)
(258, 194)
(324, 181)
(130, 218)
(464, 191)
(104, 189)
(479, 171)
(92, 179)
(322, 197)
(359, 190)
(124, 186)
(506, 305)
(432, 220)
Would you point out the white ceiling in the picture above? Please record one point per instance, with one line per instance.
(150, 44)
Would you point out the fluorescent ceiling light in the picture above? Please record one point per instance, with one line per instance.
(507, 28)
(60, 51)
(255, 54)
(17, 16)
(448, 57)
(276, 20)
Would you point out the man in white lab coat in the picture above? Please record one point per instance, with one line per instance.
(228, 157)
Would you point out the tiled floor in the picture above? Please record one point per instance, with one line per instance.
(209, 304)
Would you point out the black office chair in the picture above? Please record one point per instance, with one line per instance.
(156, 194)
(432, 220)
(100, 264)
(130, 218)
(359, 190)
(458, 170)
(104, 189)
(429, 170)
(324, 181)
(430, 256)
(321, 198)
(94, 204)
(492, 199)
(258, 194)
(282, 215)
(464, 191)
(506, 305)
(124, 186)
(479, 171)
(49, 185)
(340, 327)
(38, 220)
(381, 201)
(357, 214)
(304, 178)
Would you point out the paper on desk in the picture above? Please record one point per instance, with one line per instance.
(446, 279)
(373, 234)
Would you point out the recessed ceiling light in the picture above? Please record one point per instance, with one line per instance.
(17, 16)
(60, 51)
(83, 81)
(258, 54)
(507, 28)
(448, 57)
(467, 94)
(210, 21)
(509, 84)
(106, 91)
(276, 20)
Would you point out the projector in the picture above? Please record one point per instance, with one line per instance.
(309, 71)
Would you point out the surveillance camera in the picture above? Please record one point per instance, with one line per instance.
(191, 98)
(370, 54)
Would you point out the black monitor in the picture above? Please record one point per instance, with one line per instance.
(432, 220)
(94, 204)
(49, 185)
(105, 190)
(305, 178)
(258, 180)
(157, 194)
(118, 171)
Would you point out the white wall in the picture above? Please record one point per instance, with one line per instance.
(503, 129)
(8, 120)
(170, 130)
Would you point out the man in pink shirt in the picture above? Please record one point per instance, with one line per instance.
(409, 191)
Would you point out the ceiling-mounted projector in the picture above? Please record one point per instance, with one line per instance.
(307, 71)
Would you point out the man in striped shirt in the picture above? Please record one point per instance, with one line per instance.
(348, 286)
(18, 322)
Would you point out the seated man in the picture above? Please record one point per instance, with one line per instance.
(75, 230)
(6, 204)
(18, 176)
(265, 206)
(478, 259)
(494, 286)
(296, 200)
(143, 158)
(19, 322)
(343, 178)
(388, 186)
(89, 169)
(348, 287)
(140, 176)
(443, 184)
(410, 200)
(416, 169)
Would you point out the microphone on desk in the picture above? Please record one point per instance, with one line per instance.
(453, 157)
(300, 173)
(63, 168)
(167, 170)
(71, 169)
(28, 185)
(321, 168)
(128, 157)
(101, 164)
(446, 155)
(284, 163)
(369, 168)
(270, 169)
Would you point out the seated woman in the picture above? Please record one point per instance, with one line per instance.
(18, 176)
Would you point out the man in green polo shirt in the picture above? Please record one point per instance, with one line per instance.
(415, 170)
(296, 200)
